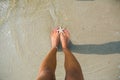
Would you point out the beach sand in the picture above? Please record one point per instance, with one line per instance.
(25, 27)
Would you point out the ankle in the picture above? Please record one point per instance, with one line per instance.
(64, 47)
(55, 47)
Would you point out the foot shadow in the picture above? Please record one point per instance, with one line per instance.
(101, 49)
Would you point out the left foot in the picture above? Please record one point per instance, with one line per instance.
(55, 38)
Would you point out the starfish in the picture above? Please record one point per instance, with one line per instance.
(60, 30)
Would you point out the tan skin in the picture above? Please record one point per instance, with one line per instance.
(48, 65)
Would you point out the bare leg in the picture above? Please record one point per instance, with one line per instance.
(72, 66)
(48, 66)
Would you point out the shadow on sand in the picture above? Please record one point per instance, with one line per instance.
(101, 49)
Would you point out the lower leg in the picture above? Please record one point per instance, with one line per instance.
(48, 65)
(72, 66)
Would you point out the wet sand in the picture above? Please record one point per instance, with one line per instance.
(25, 26)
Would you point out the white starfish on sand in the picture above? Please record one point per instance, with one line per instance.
(60, 30)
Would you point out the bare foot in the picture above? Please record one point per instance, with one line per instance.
(64, 38)
(55, 38)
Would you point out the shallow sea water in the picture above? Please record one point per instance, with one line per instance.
(25, 27)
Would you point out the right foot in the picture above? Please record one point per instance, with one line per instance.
(64, 38)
